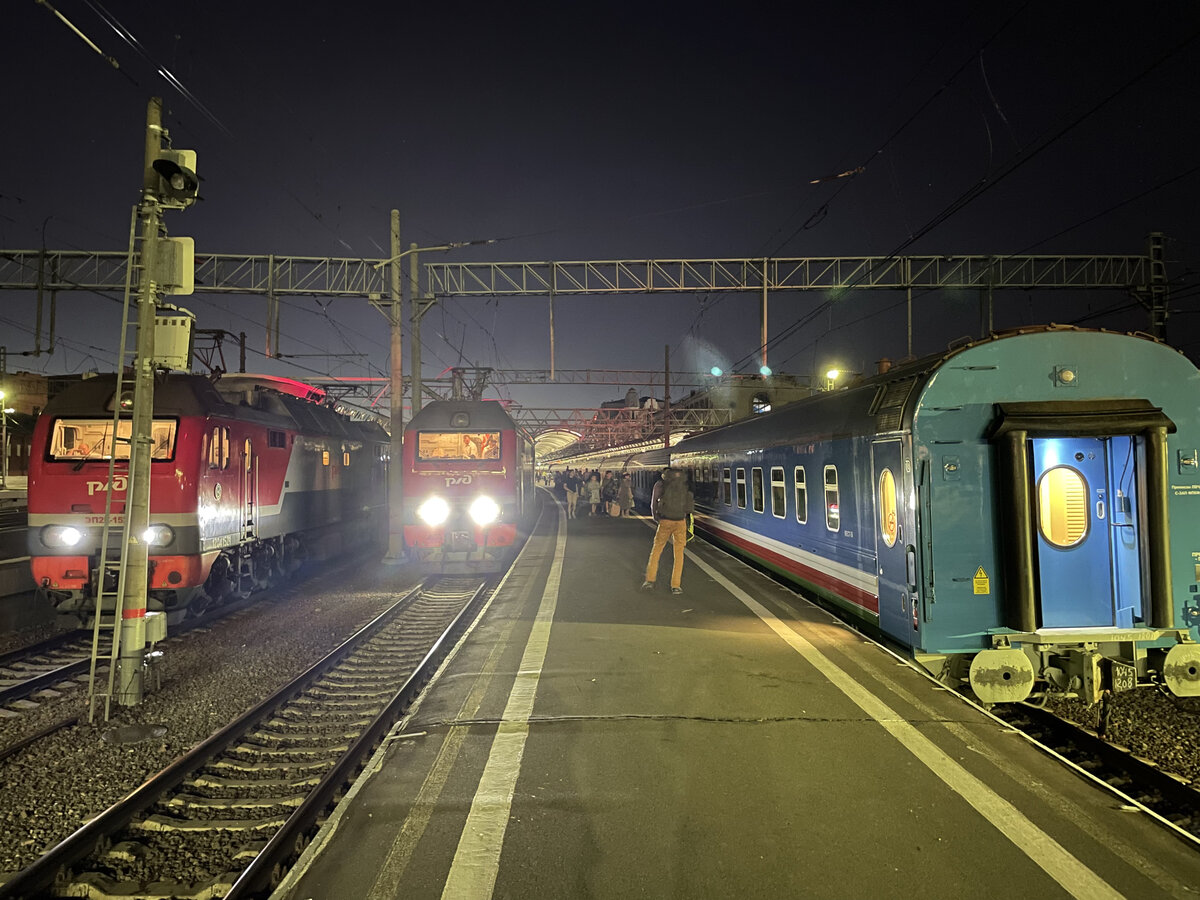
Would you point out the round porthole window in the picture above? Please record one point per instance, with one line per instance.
(888, 529)
(1063, 514)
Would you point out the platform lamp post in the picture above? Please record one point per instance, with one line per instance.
(395, 315)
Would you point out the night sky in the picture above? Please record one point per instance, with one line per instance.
(610, 131)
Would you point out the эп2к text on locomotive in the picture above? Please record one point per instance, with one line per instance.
(1026, 505)
(248, 478)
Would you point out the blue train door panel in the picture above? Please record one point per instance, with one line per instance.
(1083, 572)
(893, 537)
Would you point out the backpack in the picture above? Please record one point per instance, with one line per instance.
(675, 500)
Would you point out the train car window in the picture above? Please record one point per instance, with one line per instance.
(277, 439)
(833, 512)
(756, 485)
(324, 457)
(801, 496)
(218, 448)
(778, 493)
(888, 528)
(1063, 513)
(727, 489)
(741, 488)
(76, 439)
(346, 458)
(458, 445)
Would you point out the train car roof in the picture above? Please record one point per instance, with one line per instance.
(877, 403)
(478, 414)
(183, 394)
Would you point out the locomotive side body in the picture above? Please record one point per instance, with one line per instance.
(1019, 511)
(245, 483)
(467, 485)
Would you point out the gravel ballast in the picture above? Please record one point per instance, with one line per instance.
(209, 677)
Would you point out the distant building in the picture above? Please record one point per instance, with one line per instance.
(746, 395)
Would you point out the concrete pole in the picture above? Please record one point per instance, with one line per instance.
(396, 552)
(667, 396)
(137, 498)
(416, 310)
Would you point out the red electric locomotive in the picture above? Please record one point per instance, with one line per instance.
(249, 476)
(468, 486)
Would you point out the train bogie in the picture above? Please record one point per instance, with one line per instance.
(1019, 512)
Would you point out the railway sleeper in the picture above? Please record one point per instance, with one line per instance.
(160, 823)
(101, 887)
(188, 802)
(290, 754)
(279, 770)
(217, 783)
(302, 740)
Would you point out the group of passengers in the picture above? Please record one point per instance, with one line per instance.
(607, 495)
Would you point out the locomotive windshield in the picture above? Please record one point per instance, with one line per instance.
(76, 439)
(458, 445)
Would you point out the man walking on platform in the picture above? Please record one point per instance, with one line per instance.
(670, 503)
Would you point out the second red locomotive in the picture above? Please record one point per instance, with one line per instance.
(467, 485)
(249, 477)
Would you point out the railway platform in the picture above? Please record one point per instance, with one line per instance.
(590, 739)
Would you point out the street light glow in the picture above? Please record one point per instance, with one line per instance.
(832, 374)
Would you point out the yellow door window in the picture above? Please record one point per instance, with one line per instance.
(1063, 515)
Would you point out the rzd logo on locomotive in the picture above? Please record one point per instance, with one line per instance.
(119, 483)
(452, 480)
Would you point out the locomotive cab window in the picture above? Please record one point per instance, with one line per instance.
(1063, 514)
(778, 493)
(76, 439)
(458, 445)
(888, 528)
(833, 511)
(801, 496)
(756, 485)
(741, 488)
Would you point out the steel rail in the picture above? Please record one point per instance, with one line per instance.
(90, 837)
(284, 846)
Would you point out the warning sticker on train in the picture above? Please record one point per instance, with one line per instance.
(981, 582)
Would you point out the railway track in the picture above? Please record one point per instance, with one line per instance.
(54, 662)
(229, 817)
(1173, 800)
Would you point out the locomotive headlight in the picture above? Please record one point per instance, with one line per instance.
(484, 511)
(61, 536)
(158, 535)
(434, 511)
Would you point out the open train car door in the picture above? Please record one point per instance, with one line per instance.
(1085, 531)
(894, 545)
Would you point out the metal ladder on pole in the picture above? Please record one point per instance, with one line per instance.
(109, 575)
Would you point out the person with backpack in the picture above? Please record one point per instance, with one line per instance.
(671, 504)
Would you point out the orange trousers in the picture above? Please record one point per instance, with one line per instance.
(675, 532)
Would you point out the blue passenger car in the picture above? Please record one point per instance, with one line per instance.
(1027, 506)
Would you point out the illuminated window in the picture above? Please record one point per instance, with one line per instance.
(760, 404)
(778, 493)
(833, 511)
(741, 488)
(346, 458)
(801, 496)
(756, 484)
(218, 448)
(888, 528)
(1063, 515)
(458, 445)
(726, 488)
(76, 439)
(324, 457)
